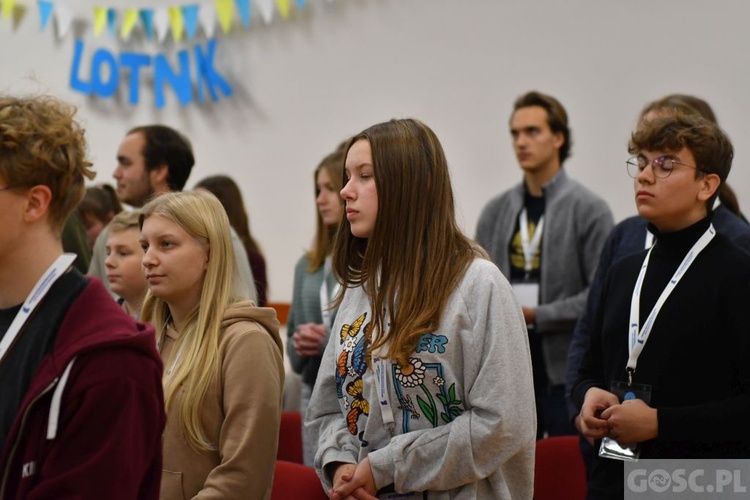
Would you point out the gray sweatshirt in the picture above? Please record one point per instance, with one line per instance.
(464, 421)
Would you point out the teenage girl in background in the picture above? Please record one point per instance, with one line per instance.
(310, 317)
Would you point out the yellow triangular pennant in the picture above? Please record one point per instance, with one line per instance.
(128, 23)
(224, 11)
(100, 20)
(175, 20)
(283, 6)
(7, 8)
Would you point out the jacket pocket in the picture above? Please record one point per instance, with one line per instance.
(171, 485)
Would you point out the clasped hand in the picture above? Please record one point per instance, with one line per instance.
(309, 339)
(630, 422)
(352, 481)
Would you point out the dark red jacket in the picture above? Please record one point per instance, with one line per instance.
(95, 433)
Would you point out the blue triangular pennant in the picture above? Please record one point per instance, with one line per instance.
(243, 6)
(45, 11)
(111, 20)
(190, 18)
(300, 4)
(147, 18)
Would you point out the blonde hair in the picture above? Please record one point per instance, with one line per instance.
(201, 215)
(125, 220)
(333, 164)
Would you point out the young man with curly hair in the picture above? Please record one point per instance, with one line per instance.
(81, 412)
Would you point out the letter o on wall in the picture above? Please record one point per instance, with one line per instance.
(103, 57)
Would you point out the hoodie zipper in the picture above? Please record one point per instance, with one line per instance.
(20, 433)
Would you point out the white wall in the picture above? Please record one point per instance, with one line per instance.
(301, 86)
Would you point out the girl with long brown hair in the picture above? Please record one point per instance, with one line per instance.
(425, 384)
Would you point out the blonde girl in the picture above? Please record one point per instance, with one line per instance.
(223, 371)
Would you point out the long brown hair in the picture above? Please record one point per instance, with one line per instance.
(333, 164)
(416, 255)
(228, 193)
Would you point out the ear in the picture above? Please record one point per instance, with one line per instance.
(158, 178)
(559, 139)
(709, 185)
(38, 199)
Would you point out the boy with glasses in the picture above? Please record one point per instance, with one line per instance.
(632, 236)
(81, 403)
(667, 370)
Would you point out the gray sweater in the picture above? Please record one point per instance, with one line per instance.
(576, 225)
(306, 308)
(463, 410)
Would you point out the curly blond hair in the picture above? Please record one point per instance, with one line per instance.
(41, 144)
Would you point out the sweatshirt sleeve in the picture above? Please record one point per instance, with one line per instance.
(324, 422)
(253, 379)
(499, 422)
(109, 436)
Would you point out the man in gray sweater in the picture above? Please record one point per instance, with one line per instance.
(546, 234)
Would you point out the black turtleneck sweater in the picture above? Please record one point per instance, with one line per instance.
(697, 358)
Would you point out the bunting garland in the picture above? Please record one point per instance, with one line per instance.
(128, 23)
(243, 6)
(179, 19)
(6, 8)
(192, 76)
(45, 12)
(266, 10)
(190, 19)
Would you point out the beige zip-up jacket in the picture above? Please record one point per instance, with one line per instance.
(241, 416)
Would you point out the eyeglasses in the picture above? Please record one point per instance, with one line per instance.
(661, 166)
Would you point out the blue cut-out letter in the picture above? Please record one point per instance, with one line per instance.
(99, 86)
(207, 73)
(75, 81)
(135, 62)
(180, 82)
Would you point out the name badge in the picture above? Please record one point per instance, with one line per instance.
(527, 294)
(622, 451)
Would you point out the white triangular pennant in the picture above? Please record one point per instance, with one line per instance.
(161, 23)
(207, 19)
(63, 18)
(266, 9)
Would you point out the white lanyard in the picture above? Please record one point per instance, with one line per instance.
(381, 365)
(325, 297)
(529, 247)
(649, 239)
(381, 380)
(638, 336)
(42, 286)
